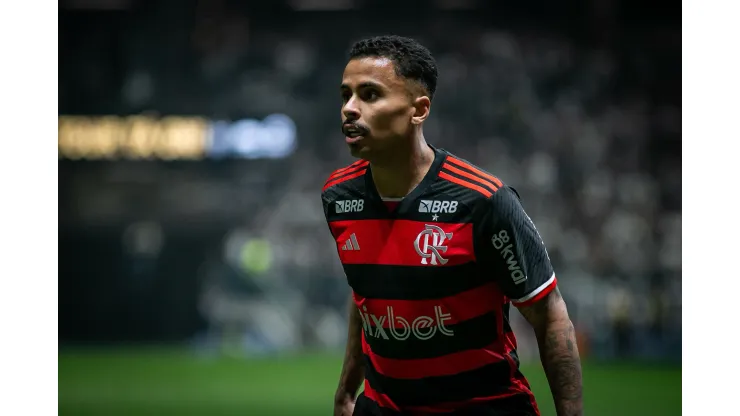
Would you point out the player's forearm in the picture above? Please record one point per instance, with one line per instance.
(353, 368)
(556, 338)
(562, 364)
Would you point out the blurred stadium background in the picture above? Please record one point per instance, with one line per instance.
(197, 275)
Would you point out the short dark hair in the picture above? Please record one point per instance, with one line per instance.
(410, 58)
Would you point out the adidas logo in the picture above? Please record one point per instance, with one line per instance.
(351, 243)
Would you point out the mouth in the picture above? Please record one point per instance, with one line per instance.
(353, 140)
(353, 133)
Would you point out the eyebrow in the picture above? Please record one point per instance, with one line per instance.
(366, 84)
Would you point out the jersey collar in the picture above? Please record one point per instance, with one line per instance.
(408, 200)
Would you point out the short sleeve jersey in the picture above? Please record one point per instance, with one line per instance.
(433, 280)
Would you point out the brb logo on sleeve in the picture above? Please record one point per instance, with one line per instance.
(500, 241)
(352, 205)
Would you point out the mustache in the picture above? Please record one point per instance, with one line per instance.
(351, 124)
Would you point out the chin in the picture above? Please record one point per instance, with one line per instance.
(359, 150)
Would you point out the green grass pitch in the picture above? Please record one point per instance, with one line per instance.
(117, 383)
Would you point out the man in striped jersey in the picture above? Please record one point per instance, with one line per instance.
(435, 250)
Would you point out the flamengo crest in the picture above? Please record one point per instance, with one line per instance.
(429, 244)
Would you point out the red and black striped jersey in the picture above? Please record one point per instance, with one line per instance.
(433, 281)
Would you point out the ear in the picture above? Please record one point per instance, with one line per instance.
(421, 109)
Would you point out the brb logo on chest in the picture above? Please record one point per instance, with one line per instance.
(434, 207)
(429, 245)
(352, 205)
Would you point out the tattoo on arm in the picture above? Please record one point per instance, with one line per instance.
(558, 351)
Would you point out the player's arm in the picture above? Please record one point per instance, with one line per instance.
(558, 351)
(353, 367)
(526, 276)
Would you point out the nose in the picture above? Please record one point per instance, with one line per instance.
(350, 110)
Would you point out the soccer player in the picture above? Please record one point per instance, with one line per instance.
(435, 250)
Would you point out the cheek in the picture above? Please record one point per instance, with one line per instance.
(392, 119)
(400, 122)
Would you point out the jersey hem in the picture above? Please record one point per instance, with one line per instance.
(537, 294)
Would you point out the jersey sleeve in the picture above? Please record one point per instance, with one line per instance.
(325, 205)
(518, 259)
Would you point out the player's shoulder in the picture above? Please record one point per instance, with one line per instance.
(344, 180)
(465, 176)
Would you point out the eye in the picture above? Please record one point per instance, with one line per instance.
(370, 95)
(345, 96)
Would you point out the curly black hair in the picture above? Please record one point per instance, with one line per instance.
(411, 59)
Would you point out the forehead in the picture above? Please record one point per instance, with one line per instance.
(375, 70)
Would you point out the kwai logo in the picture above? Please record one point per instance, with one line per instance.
(507, 253)
(422, 327)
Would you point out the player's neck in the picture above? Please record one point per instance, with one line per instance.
(398, 176)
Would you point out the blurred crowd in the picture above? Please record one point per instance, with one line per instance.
(587, 132)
